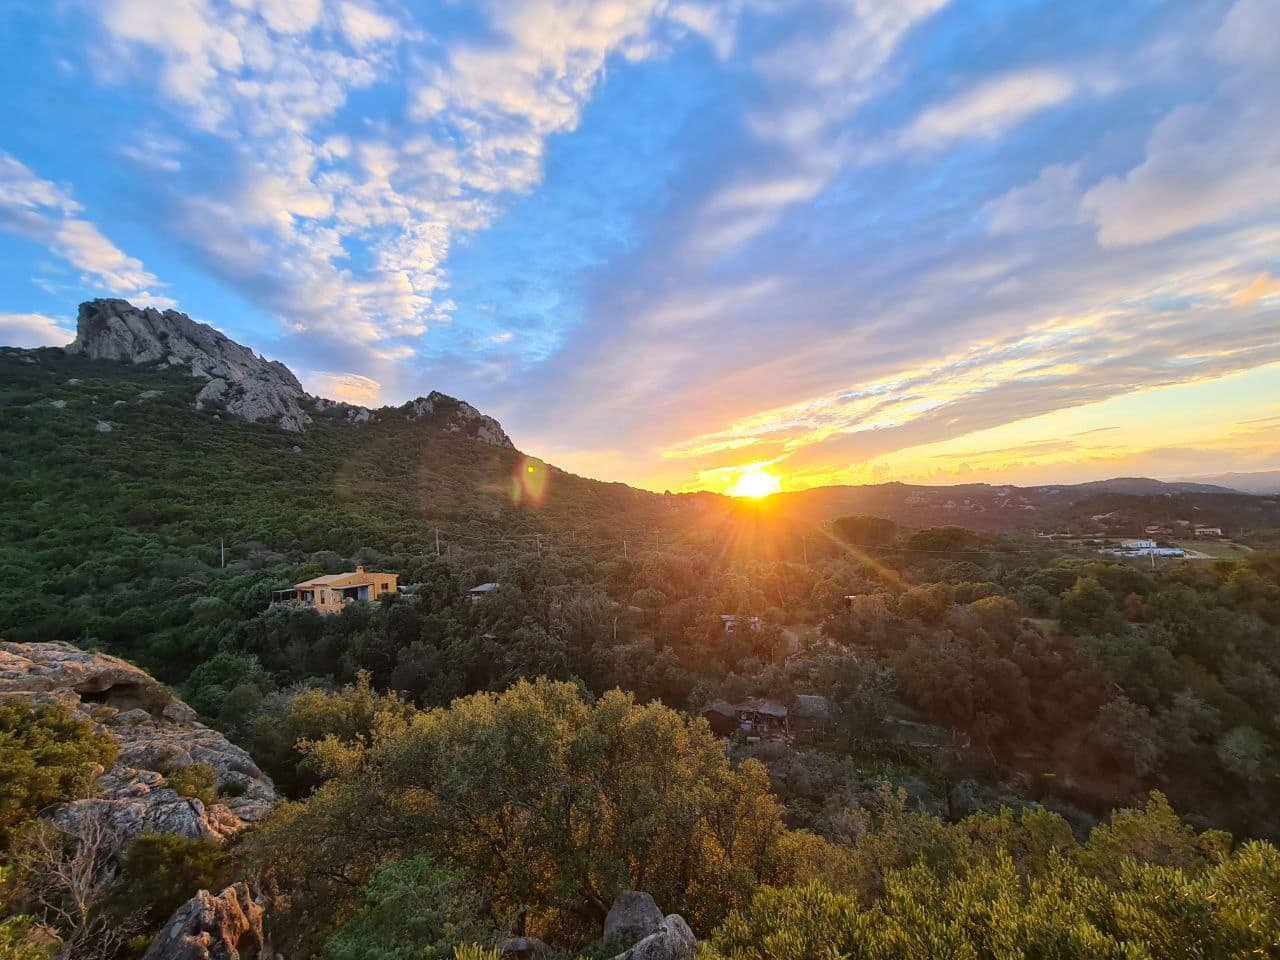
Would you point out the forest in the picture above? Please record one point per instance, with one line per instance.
(1028, 749)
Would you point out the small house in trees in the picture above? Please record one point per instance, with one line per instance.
(482, 590)
(755, 717)
(332, 592)
(730, 621)
(721, 716)
(761, 717)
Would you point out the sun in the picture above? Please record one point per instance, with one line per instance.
(755, 482)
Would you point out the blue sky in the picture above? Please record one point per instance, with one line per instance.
(667, 241)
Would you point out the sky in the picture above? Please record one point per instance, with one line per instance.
(680, 242)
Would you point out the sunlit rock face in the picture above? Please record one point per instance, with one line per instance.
(456, 416)
(208, 927)
(241, 382)
(156, 734)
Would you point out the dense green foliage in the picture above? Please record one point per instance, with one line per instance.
(414, 910)
(554, 801)
(1004, 887)
(159, 872)
(46, 756)
(458, 766)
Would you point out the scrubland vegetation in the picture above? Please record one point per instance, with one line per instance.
(458, 769)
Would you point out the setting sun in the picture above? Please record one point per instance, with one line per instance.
(755, 482)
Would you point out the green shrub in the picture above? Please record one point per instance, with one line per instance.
(197, 781)
(46, 756)
(160, 872)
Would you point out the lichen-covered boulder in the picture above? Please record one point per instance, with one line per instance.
(156, 734)
(633, 916)
(673, 940)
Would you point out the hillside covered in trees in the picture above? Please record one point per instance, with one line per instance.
(459, 769)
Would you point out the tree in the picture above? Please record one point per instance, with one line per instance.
(1245, 752)
(46, 756)
(160, 872)
(1126, 734)
(65, 876)
(1088, 607)
(557, 802)
(414, 909)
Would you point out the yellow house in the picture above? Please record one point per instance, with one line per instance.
(332, 592)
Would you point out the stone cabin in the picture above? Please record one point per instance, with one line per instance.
(333, 591)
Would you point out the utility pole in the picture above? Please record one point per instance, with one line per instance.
(222, 547)
(804, 545)
(437, 541)
(624, 549)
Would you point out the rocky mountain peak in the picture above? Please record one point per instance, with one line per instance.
(457, 416)
(245, 384)
(240, 381)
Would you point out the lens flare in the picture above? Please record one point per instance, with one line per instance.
(755, 482)
(529, 482)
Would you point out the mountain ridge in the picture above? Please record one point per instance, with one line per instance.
(239, 380)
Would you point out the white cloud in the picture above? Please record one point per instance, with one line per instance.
(1206, 162)
(1051, 200)
(990, 109)
(364, 26)
(348, 387)
(45, 213)
(269, 75)
(34, 330)
(815, 82)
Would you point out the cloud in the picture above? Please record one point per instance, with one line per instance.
(365, 27)
(1263, 285)
(1205, 162)
(814, 83)
(45, 213)
(34, 330)
(989, 109)
(1051, 200)
(349, 232)
(347, 387)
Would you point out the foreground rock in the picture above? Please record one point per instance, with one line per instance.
(633, 916)
(240, 381)
(225, 927)
(635, 921)
(156, 733)
(673, 940)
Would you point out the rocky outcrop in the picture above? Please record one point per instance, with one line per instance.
(633, 916)
(457, 416)
(156, 734)
(245, 384)
(207, 927)
(673, 940)
(523, 948)
(635, 921)
(241, 382)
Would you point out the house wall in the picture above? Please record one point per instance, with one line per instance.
(329, 597)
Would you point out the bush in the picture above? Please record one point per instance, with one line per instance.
(46, 756)
(160, 872)
(197, 781)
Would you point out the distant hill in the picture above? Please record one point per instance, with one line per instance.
(1125, 505)
(1263, 482)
